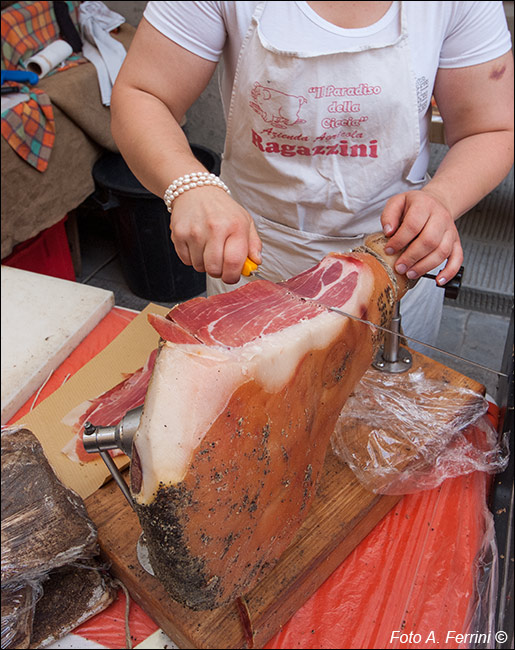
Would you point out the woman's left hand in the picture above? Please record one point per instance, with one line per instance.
(476, 105)
(420, 222)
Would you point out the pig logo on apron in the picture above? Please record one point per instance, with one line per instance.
(275, 107)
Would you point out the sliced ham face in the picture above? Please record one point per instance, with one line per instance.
(245, 393)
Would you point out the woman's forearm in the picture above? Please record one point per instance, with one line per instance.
(476, 104)
(209, 230)
(150, 139)
(471, 169)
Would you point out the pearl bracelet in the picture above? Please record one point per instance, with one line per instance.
(189, 182)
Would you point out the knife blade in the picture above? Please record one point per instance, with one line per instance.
(249, 270)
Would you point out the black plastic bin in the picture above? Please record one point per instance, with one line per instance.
(149, 262)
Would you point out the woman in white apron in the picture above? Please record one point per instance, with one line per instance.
(327, 201)
(311, 183)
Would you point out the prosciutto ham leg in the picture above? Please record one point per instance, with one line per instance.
(245, 393)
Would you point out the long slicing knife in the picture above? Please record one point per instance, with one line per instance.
(249, 269)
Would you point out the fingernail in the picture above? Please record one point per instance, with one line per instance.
(442, 281)
(411, 275)
(387, 229)
(401, 268)
(389, 250)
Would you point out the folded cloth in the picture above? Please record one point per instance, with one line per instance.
(29, 127)
(98, 46)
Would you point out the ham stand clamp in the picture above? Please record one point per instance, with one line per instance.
(98, 440)
(395, 358)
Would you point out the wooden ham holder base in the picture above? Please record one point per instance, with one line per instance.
(342, 514)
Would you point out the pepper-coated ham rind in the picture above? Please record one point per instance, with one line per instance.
(236, 426)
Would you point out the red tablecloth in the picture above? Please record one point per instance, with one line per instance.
(411, 583)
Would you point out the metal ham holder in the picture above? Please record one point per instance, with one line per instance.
(392, 357)
(98, 440)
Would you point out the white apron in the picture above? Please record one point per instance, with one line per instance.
(316, 145)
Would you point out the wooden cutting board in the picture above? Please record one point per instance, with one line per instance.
(342, 514)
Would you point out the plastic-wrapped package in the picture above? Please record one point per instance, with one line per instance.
(404, 433)
(18, 602)
(44, 524)
(95, 342)
(71, 595)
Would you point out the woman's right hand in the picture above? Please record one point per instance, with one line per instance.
(210, 230)
(213, 233)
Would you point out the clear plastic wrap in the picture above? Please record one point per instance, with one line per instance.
(18, 603)
(403, 433)
(486, 587)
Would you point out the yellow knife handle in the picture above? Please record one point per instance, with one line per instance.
(248, 267)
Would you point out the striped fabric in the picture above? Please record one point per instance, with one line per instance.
(27, 28)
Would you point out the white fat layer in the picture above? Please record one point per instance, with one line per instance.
(192, 384)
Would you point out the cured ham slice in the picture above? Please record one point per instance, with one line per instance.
(244, 397)
(108, 409)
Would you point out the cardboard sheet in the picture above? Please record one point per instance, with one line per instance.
(128, 352)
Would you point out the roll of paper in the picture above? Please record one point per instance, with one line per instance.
(49, 58)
